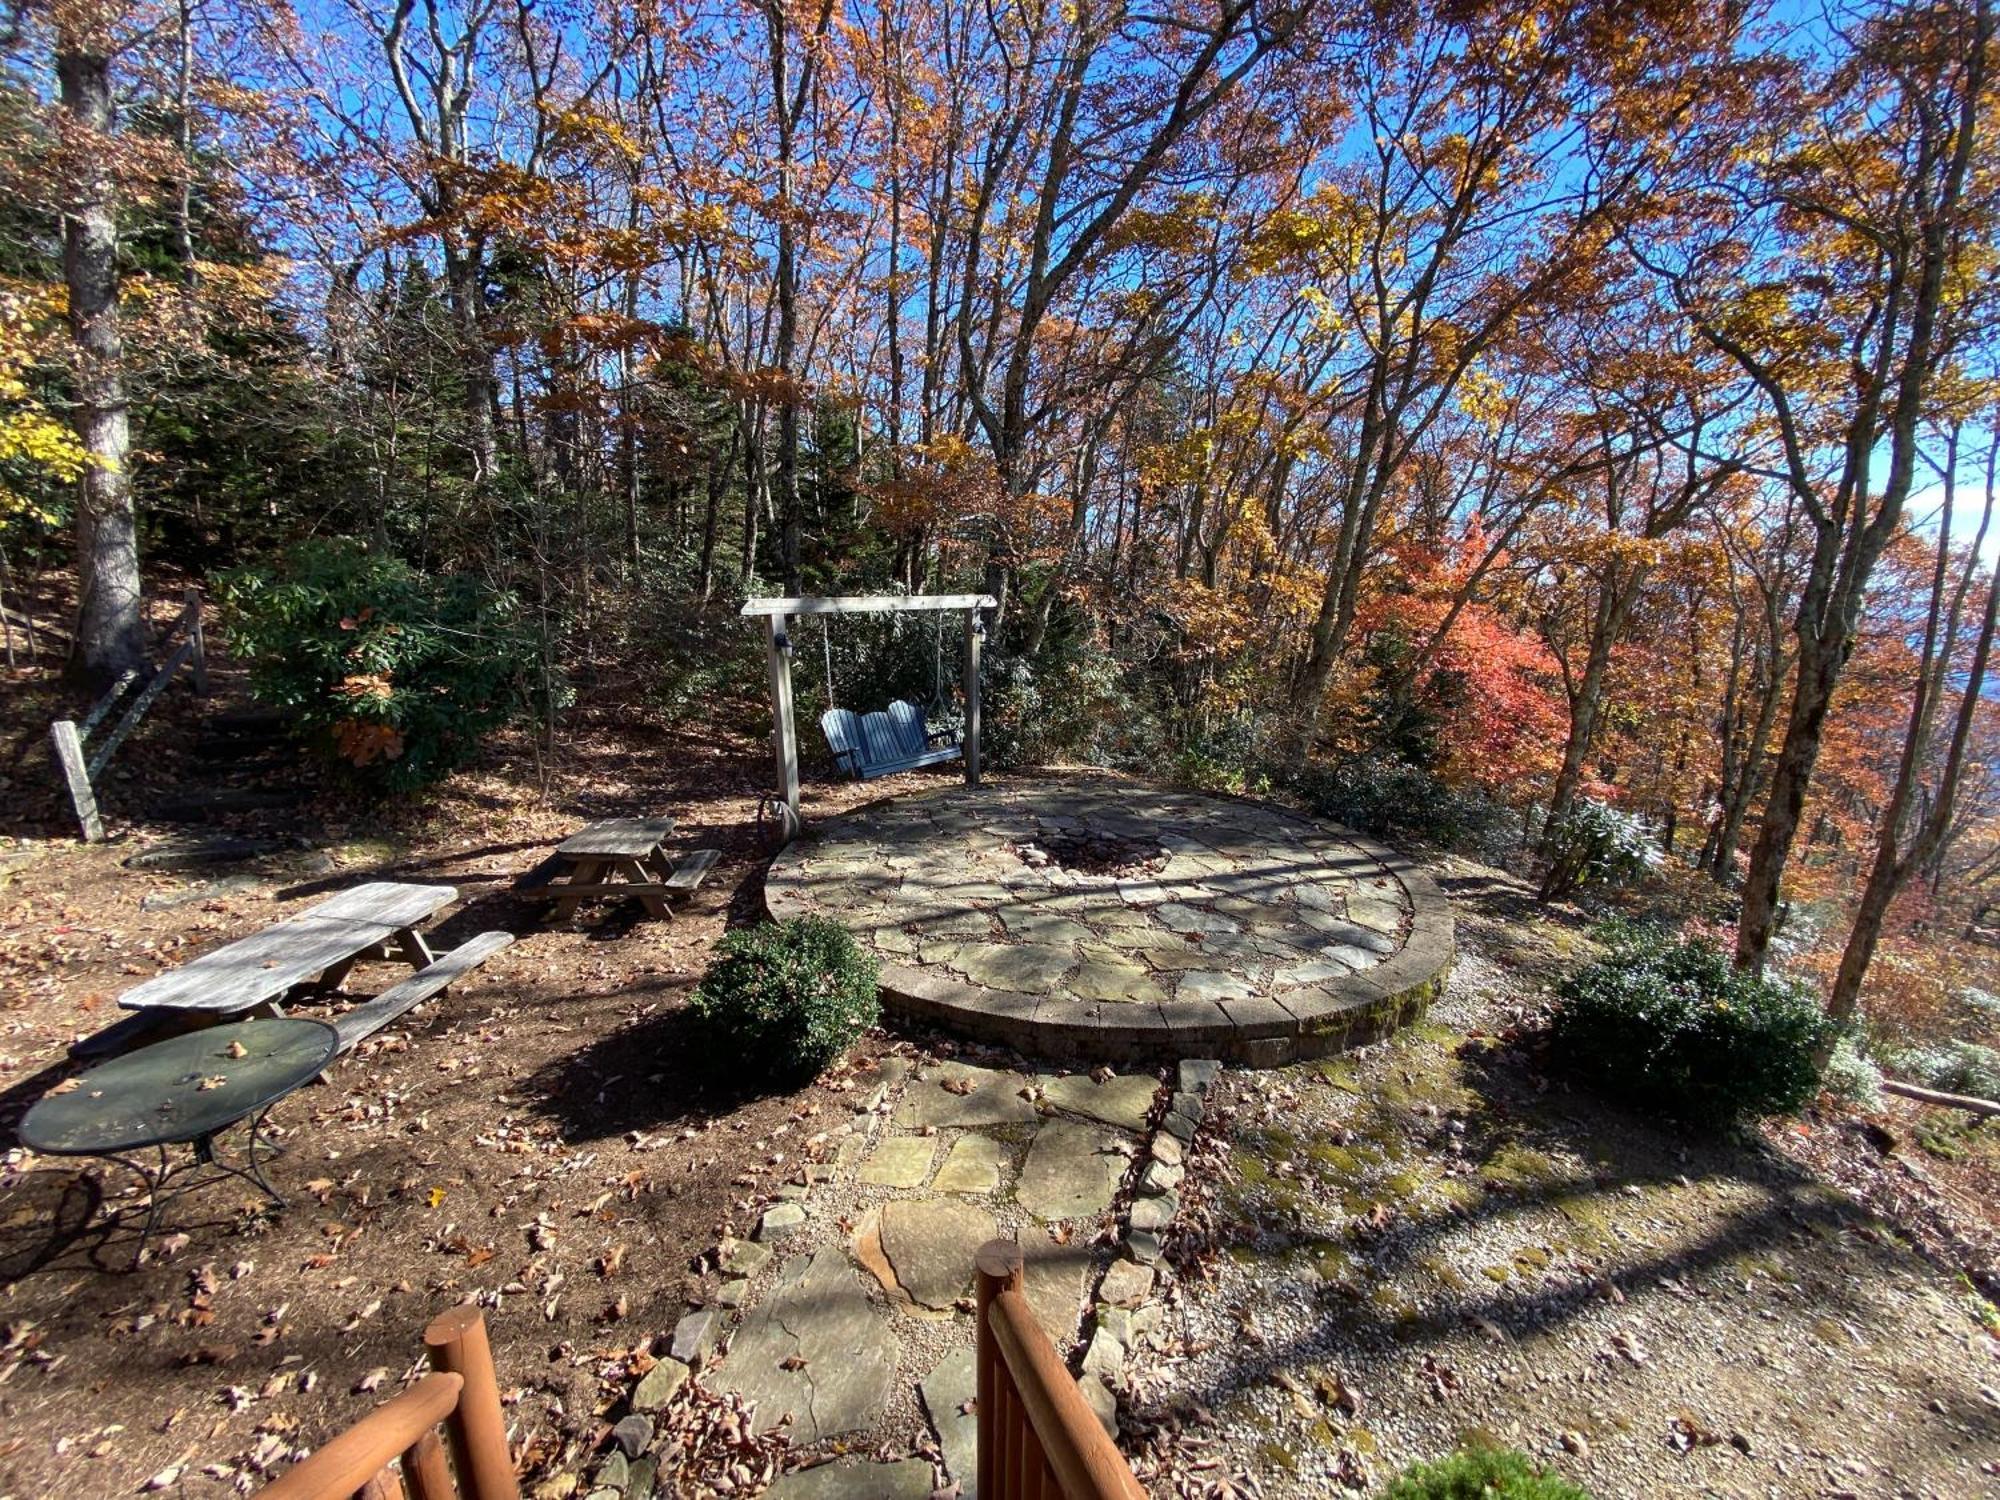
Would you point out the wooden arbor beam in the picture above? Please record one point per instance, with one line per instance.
(776, 614)
(869, 604)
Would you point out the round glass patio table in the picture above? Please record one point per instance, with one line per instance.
(186, 1090)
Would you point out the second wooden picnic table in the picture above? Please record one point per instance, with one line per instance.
(630, 849)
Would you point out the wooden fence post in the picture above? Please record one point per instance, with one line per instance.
(974, 634)
(999, 1268)
(457, 1344)
(67, 746)
(199, 661)
(784, 735)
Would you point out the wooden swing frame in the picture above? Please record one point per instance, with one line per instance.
(777, 615)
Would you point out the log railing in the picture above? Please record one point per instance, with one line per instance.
(1038, 1437)
(394, 1451)
(67, 736)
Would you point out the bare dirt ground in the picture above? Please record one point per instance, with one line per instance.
(546, 1140)
(543, 1137)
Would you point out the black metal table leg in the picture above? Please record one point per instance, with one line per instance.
(203, 1148)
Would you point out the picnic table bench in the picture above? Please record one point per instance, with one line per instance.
(629, 848)
(317, 948)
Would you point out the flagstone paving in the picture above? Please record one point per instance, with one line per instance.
(1097, 918)
(861, 1325)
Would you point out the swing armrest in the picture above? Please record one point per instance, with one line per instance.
(941, 736)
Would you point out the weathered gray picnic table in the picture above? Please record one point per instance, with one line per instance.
(317, 946)
(629, 848)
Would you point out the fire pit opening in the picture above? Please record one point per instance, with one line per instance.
(1095, 854)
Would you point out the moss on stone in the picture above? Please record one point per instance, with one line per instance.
(1277, 1455)
(1519, 1167)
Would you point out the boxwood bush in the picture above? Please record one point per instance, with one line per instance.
(1482, 1474)
(783, 1000)
(1674, 1025)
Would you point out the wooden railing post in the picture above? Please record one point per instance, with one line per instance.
(457, 1344)
(999, 1269)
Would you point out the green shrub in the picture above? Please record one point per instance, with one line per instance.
(1225, 757)
(1389, 798)
(1482, 1474)
(1595, 844)
(1954, 1067)
(785, 999)
(393, 674)
(1851, 1075)
(1674, 1025)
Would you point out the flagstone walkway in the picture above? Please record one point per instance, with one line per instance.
(1094, 917)
(855, 1292)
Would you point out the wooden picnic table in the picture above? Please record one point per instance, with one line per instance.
(630, 849)
(317, 946)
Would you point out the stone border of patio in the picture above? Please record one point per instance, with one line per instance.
(1305, 1023)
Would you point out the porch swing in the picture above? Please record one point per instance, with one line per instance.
(895, 738)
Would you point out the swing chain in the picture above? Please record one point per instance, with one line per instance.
(826, 650)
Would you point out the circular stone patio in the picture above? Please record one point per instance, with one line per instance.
(1094, 918)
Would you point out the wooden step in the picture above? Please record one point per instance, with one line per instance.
(692, 871)
(250, 719)
(189, 855)
(363, 1021)
(200, 806)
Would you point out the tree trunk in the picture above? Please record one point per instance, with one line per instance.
(1613, 604)
(1852, 537)
(463, 281)
(184, 140)
(1893, 865)
(1791, 774)
(109, 638)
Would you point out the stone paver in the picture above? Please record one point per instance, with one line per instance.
(695, 1336)
(1126, 1284)
(1099, 919)
(852, 1479)
(816, 1348)
(974, 1166)
(1104, 975)
(1123, 1100)
(658, 1385)
(930, 1244)
(948, 1392)
(901, 1161)
(1030, 968)
(780, 1222)
(1053, 1280)
(742, 1257)
(944, 1099)
(1072, 1170)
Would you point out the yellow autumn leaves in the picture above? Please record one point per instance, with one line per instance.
(33, 441)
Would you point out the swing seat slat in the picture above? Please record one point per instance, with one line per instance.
(866, 746)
